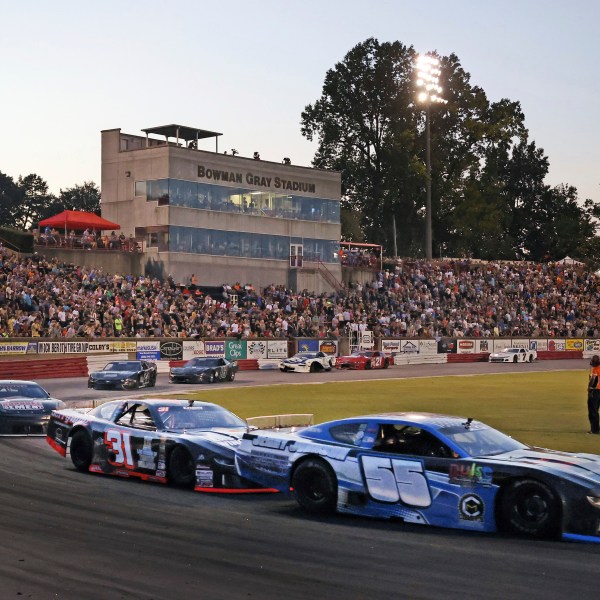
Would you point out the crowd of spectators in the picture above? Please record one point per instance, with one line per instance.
(89, 240)
(42, 297)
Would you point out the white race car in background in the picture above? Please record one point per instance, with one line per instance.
(513, 355)
(308, 362)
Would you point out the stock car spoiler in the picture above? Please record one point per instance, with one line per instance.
(283, 423)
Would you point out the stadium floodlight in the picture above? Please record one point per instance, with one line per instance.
(428, 73)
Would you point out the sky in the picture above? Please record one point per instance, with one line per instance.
(71, 68)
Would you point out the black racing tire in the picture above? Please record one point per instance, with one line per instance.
(231, 376)
(368, 365)
(153, 382)
(386, 364)
(531, 358)
(82, 450)
(315, 486)
(529, 507)
(515, 359)
(314, 368)
(182, 469)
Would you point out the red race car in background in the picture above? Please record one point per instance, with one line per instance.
(364, 359)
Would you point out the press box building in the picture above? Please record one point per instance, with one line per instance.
(222, 217)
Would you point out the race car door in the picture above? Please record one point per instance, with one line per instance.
(410, 466)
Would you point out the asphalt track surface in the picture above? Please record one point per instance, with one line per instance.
(69, 535)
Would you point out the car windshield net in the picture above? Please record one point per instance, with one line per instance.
(180, 418)
(480, 440)
(27, 390)
(123, 366)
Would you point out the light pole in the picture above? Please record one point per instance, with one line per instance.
(428, 74)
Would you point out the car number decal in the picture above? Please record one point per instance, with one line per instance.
(376, 361)
(119, 444)
(396, 480)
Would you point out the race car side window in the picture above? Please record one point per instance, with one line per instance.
(348, 433)
(411, 441)
(138, 416)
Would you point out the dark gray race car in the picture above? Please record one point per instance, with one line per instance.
(25, 408)
(204, 370)
(124, 374)
(188, 443)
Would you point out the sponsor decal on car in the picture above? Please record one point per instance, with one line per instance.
(465, 474)
(471, 508)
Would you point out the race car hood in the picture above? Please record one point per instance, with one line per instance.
(576, 466)
(112, 375)
(29, 406)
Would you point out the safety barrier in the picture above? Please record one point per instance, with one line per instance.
(44, 369)
(468, 358)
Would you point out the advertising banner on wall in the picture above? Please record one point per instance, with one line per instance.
(465, 346)
(99, 347)
(308, 345)
(256, 349)
(409, 346)
(215, 349)
(235, 349)
(277, 349)
(18, 347)
(192, 349)
(574, 345)
(483, 346)
(518, 343)
(171, 350)
(62, 347)
(538, 345)
(148, 350)
(128, 346)
(390, 347)
(329, 347)
(557, 345)
(428, 347)
(446, 346)
(592, 345)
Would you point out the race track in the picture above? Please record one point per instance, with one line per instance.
(68, 535)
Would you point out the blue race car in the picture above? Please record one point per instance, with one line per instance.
(430, 469)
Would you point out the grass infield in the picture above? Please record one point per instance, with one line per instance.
(543, 409)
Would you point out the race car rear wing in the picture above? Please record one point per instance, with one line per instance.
(291, 422)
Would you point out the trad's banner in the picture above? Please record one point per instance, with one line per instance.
(18, 348)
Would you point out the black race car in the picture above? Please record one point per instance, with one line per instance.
(204, 370)
(25, 408)
(188, 443)
(124, 374)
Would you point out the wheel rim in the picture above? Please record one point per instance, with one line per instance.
(531, 508)
(314, 485)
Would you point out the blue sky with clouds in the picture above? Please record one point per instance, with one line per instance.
(247, 69)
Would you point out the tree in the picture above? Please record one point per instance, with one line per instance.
(11, 197)
(36, 200)
(85, 197)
